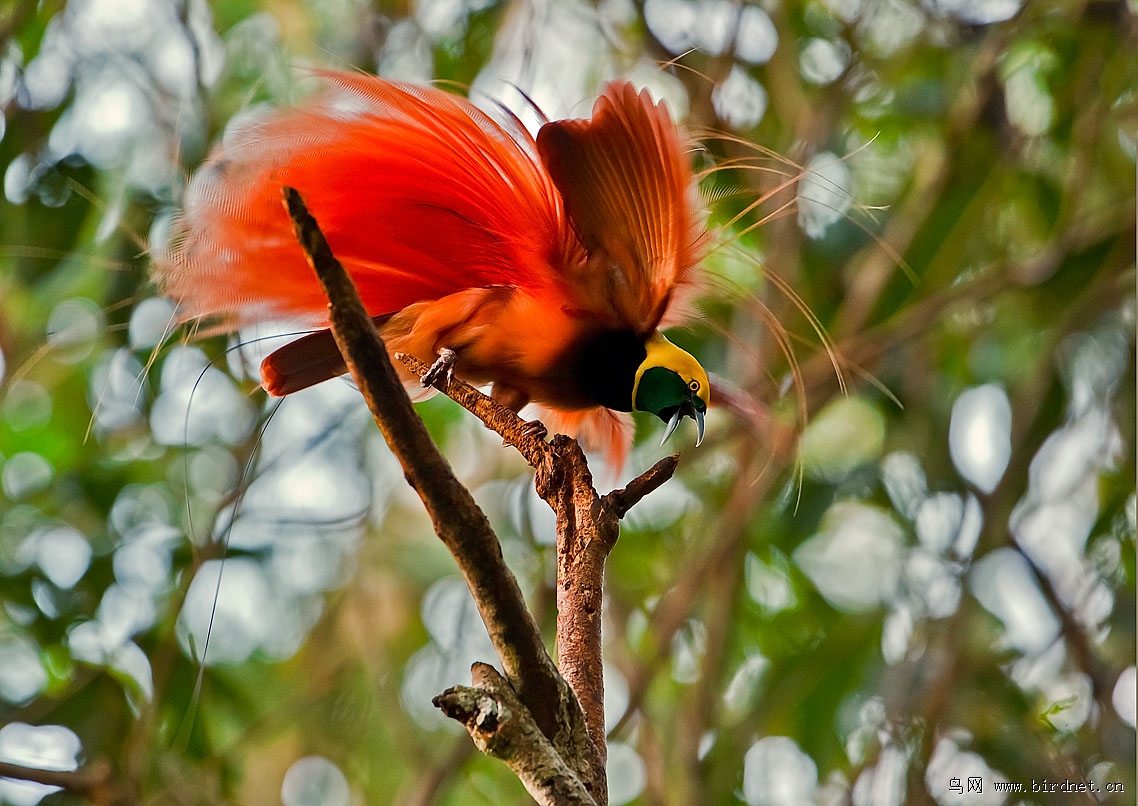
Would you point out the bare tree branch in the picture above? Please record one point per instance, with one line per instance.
(503, 728)
(587, 529)
(458, 521)
(567, 707)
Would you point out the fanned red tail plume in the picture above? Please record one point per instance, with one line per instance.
(419, 193)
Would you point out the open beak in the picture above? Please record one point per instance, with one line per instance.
(685, 409)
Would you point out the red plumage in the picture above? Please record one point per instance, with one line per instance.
(458, 231)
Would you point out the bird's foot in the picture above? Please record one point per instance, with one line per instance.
(532, 428)
(535, 429)
(442, 368)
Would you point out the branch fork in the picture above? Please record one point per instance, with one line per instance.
(546, 724)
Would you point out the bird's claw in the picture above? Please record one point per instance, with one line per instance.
(442, 368)
(535, 429)
(532, 428)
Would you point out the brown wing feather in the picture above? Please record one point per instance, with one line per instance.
(627, 184)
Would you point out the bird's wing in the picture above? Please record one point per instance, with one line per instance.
(419, 193)
(626, 180)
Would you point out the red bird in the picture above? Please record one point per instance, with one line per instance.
(546, 265)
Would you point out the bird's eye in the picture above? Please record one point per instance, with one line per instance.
(694, 386)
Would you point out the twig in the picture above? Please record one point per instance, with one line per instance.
(94, 782)
(508, 425)
(503, 728)
(620, 501)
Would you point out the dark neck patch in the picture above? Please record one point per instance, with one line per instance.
(605, 367)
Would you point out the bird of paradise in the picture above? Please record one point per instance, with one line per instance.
(544, 267)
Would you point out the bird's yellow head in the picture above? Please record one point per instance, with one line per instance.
(671, 384)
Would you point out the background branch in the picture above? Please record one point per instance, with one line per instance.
(94, 782)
